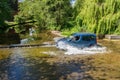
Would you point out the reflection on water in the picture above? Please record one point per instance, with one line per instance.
(33, 64)
(16, 70)
(27, 64)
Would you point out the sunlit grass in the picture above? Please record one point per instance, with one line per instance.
(4, 53)
(36, 52)
(40, 52)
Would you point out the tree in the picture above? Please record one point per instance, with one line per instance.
(78, 6)
(13, 4)
(100, 16)
(5, 12)
(62, 13)
(48, 14)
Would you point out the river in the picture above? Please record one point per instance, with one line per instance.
(43, 63)
(39, 64)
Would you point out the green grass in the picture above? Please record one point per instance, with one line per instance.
(36, 52)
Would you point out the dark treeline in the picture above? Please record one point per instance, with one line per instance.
(96, 16)
(5, 13)
(7, 10)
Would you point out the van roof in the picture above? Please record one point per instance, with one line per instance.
(84, 34)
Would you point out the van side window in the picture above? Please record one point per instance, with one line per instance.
(92, 37)
(88, 38)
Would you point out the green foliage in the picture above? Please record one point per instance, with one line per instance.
(77, 7)
(100, 16)
(96, 16)
(48, 14)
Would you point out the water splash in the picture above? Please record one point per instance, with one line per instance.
(91, 50)
(75, 50)
(25, 41)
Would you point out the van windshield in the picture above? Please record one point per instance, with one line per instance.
(74, 38)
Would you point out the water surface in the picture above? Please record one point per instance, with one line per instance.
(44, 62)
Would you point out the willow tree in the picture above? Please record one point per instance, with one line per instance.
(49, 14)
(100, 16)
(78, 6)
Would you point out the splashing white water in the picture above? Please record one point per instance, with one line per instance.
(24, 41)
(74, 50)
(91, 50)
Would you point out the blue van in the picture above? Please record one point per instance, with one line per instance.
(79, 40)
